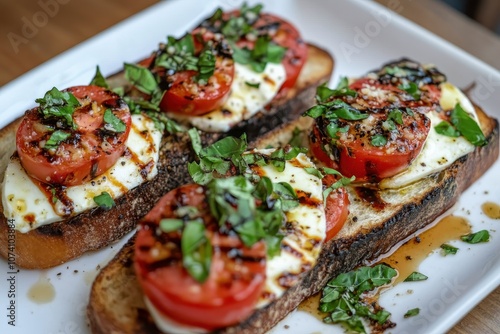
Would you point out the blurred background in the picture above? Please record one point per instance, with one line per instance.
(486, 12)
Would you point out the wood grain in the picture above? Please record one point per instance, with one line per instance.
(68, 22)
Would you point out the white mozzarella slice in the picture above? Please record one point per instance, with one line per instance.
(306, 228)
(30, 207)
(439, 151)
(250, 92)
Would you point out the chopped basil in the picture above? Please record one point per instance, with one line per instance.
(475, 238)
(411, 313)
(236, 27)
(342, 297)
(264, 51)
(178, 54)
(104, 200)
(59, 105)
(412, 89)
(206, 65)
(98, 79)
(56, 138)
(218, 157)
(343, 83)
(195, 140)
(252, 84)
(446, 129)
(163, 123)
(113, 123)
(449, 249)
(54, 197)
(296, 139)
(196, 250)
(334, 110)
(409, 111)
(278, 159)
(332, 129)
(341, 182)
(378, 140)
(415, 276)
(171, 224)
(395, 71)
(323, 93)
(467, 126)
(396, 115)
(141, 78)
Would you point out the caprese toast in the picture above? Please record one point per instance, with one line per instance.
(368, 128)
(92, 160)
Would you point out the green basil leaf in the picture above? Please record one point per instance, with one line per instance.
(59, 105)
(323, 93)
(252, 84)
(98, 79)
(104, 200)
(196, 251)
(141, 78)
(396, 115)
(113, 123)
(415, 276)
(171, 224)
(273, 243)
(56, 138)
(475, 238)
(316, 111)
(195, 140)
(278, 159)
(287, 196)
(343, 83)
(163, 123)
(296, 139)
(467, 126)
(342, 110)
(206, 65)
(449, 249)
(412, 89)
(409, 111)
(446, 129)
(378, 140)
(411, 313)
(314, 171)
(332, 129)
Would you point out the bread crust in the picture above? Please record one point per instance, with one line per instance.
(59, 242)
(116, 304)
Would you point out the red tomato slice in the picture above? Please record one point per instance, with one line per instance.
(186, 96)
(336, 209)
(236, 279)
(318, 149)
(87, 153)
(288, 37)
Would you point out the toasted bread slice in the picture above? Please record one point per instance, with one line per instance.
(56, 243)
(116, 303)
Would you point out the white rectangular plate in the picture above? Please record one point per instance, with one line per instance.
(361, 36)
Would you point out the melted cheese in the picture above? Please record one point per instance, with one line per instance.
(439, 151)
(244, 100)
(300, 248)
(30, 207)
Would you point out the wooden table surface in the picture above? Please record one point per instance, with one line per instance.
(67, 23)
